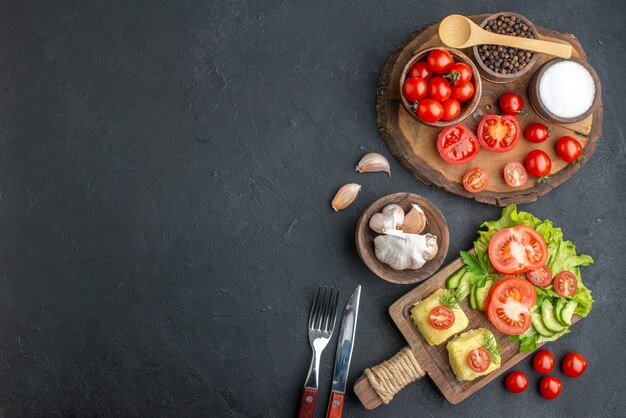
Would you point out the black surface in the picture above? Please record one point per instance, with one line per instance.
(166, 170)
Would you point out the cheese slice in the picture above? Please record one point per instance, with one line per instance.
(460, 347)
(420, 313)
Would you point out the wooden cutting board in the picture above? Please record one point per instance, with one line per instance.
(414, 143)
(434, 359)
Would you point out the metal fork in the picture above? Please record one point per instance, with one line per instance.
(321, 324)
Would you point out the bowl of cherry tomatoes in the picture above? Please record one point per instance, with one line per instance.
(440, 86)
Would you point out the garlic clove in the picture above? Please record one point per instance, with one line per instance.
(414, 220)
(345, 196)
(391, 217)
(373, 162)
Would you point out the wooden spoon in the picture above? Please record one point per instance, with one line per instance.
(457, 31)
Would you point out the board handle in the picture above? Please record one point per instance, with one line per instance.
(379, 384)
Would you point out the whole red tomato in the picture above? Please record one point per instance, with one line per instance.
(439, 89)
(543, 361)
(451, 109)
(440, 61)
(569, 149)
(536, 132)
(460, 72)
(429, 110)
(574, 365)
(516, 382)
(414, 89)
(420, 69)
(538, 163)
(512, 104)
(550, 387)
(463, 91)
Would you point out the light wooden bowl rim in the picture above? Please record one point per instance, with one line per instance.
(467, 108)
(365, 246)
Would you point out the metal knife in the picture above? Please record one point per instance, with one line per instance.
(344, 354)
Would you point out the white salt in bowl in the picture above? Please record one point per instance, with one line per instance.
(564, 91)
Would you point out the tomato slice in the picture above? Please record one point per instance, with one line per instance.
(517, 249)
(540, 277)
(509, 303)
(498, 133)
(515, 174)
(479, 359)
(565, 283)
(475, 180)
(457, 144)
(441, 317)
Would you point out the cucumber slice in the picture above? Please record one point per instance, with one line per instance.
(464, 284)
(548, 318)
(472, 297)
(481, 294)
(538, 325)
(568, 311)
(560, 304)
(453, 281)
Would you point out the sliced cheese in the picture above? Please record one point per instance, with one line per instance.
(460, 347)
(420, 313)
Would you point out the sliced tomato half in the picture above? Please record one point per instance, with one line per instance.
(540, 277)
(517, 249)
(475, 180)
(515, 174)
(509, 303)
(479, 359)
(457, 144)
(498, 133)
(441, 317)
(565, 283)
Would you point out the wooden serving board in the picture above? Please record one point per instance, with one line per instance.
(434, 359)
(414, 143)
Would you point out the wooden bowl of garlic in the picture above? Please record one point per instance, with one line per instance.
(402, 238)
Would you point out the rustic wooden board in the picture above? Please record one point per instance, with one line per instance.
(434, 359)
(435, 224)
(414, 143)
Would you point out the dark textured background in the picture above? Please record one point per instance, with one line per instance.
(166, 170)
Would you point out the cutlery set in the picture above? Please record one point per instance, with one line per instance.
(321, 324)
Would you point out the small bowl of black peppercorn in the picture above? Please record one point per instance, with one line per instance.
(501, 64)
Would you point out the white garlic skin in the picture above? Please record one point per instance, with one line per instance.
(373, 162)
(402, 251)
(391, 217)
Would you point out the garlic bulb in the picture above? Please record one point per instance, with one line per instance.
(415, 220)
(391, 217)
(403, 251)
(373, 162)
(345, 196)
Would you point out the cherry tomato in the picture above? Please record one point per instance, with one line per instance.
(509, 303)
(512, 104)
(420, 69)
(569, 149)
(459, 73)
(538, 163)
(457, 144)
(517, 249)
(498, 133)
(440, 61)
(414, 89)
(550, 387)
(429, 110)
(441, 317)
(536, 132)
(451, 109)
(463, 91)
(439, 89)
(475, 180)
(565, 283)
(479, 359)
(516, 382)
(540, 277)
(543, 362)
(515, 174)
(574, 365)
